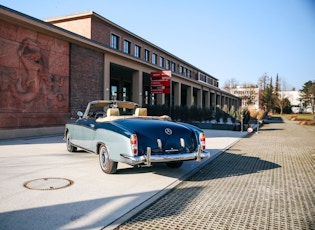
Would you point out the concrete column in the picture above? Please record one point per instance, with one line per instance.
(160, 99)
(212, 99)
(106, 78)
(207, 99)
(199, 98)
(177, 93)
(218, 99)
(190, 96)
(137, 87)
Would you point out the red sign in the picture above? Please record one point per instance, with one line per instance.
(161, 74)
(161, 82)
(160, 90)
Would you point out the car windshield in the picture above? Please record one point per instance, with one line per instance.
(98, 109)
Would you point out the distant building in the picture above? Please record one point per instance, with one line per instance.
(298, 104)
(293, 96)
(248, 93)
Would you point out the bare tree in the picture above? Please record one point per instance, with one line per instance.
(281, 102)
(229, 84)
(263, 81)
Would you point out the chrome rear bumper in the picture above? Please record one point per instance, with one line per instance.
(148, 158)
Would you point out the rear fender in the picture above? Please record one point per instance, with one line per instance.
(115, 143)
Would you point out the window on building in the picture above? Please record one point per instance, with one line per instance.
(188, 73)
(162, 62)
(154, 57)
(126, 47)
(181, 70)
(173, 67)
(114, 42)
(211, 81)
(167, 64)
(113, 92)
(137, 51)
(146, 55)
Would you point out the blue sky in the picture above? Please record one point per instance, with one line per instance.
(227, 39)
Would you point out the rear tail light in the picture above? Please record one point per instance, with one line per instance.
(134, 144)
(202, 140)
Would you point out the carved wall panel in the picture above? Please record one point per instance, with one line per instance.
(34, 78)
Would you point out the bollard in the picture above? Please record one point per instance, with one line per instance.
(257, 130)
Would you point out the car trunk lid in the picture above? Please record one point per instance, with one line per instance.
(163, 137)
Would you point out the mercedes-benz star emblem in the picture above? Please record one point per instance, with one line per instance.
(168, 131)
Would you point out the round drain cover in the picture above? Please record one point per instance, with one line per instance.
(48, 183)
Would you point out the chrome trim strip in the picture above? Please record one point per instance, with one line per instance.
(148, 158)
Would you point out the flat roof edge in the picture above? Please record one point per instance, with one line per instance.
(69, 16)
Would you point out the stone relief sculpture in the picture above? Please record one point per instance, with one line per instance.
(31, 87)
(28, 85)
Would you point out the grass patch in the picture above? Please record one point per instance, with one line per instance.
(304, 119)
(299, 117)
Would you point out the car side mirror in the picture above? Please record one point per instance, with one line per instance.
(80, 114)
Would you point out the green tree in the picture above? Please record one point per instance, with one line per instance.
(308, 94)
(277, 86)
(268, 96)
(281, 104)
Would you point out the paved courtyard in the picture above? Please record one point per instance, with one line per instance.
(43, 186)
(265, 181)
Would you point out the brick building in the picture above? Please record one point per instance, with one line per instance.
(51, 69)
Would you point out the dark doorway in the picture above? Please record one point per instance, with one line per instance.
(120, 82)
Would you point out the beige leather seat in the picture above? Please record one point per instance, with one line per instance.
(112, 112)
(141, 112)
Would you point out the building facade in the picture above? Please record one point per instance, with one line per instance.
(249, 94)
(296, 101)
(51, 69)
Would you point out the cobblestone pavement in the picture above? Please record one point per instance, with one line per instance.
(265, 181)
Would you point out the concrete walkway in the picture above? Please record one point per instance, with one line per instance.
(266, 181)
(42, 186)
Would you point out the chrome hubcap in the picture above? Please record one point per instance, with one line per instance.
(103, 157)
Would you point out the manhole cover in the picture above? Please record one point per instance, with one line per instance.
(48, 183)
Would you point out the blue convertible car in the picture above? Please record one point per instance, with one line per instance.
(119, 131)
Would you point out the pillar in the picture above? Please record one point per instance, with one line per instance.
(190, 96)
(177, 93)
(199, 98)
(106, 78)
(137, 86)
